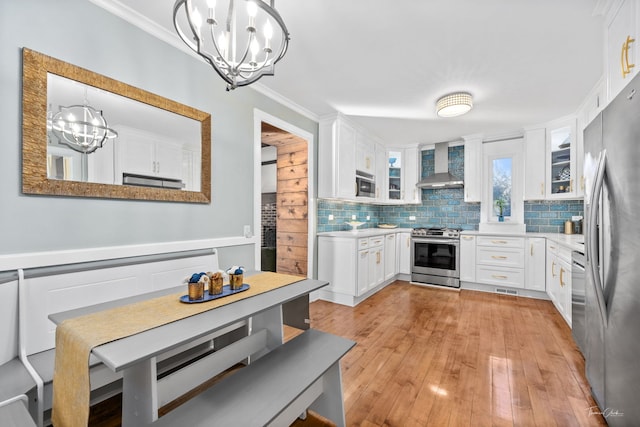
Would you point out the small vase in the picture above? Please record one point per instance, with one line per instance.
(500, 218)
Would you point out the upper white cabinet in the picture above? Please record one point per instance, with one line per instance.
(621, 46)
(141, 153)
(401, 176)
(473, 169)
(535, 156)
(337, 159)
(365, 154)
(563, 177)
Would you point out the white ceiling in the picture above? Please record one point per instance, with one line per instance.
(385, 63)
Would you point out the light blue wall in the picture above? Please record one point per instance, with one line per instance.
(83, 34)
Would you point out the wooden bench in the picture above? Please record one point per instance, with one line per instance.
(43, 291)
(14, 413)
(302, 374)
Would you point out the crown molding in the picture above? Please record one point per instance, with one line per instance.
(135, 18)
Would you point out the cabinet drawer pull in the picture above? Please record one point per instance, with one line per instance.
(499, 242)
(498, 257)
(364, 253)
(467, 237)
(624, 57)
(499, 276)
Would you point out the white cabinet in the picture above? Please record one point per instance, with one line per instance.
(621, 46)
(559, 278)
(390, 256)
(376, 261)
(562, 164)
(400, 176)
(535, 158)
(500, 261)
(404, 253)
(467, 258)
(535, 264)
(472, 169)
(355, 266)
(142, 153)
(365, 154)
(336, 159)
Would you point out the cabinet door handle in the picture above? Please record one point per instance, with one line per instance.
(498, 257)
(368, 161)
(553, 269)
(531, 249)
(624, 57)
(582, 182)
(499, 242)
(499, 276)
(571, 185)
(542, 188)
(561, 279)
(408, 242)
(378, 257)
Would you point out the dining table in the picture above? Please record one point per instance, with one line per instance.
(135, 355)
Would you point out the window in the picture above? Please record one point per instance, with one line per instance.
(502, 180)
(501, 186)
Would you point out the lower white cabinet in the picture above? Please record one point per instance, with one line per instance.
(500, 261)
(559, 278)
(535, 264)
(390, 256)
(354, 266)
(403, 241)
(467, 258)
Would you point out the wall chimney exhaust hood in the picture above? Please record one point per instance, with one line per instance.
(441, 178)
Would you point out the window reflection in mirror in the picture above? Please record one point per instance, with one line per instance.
(153, 145)
(501, 185)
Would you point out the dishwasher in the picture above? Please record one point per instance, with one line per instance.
(578, 299)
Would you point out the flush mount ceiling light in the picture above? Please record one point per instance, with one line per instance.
(80, 127)
(454, 104)
(241, 39)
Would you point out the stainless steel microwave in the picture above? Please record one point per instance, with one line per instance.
(365, 185)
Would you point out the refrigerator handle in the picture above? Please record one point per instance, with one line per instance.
(592, 241)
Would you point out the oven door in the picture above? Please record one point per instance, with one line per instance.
(437, 257)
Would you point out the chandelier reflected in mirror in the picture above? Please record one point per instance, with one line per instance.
(80, 127)
(241, 39)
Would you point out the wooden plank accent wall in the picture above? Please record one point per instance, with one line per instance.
(292, 200)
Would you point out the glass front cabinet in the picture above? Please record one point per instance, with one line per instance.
(395, 175)
(562, 162)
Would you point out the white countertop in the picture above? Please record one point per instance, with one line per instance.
(365, 232)
(575, 242)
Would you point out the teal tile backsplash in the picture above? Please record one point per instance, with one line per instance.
(442, 207)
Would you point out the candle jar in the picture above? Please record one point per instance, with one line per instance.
(215, 286)
(196, 291)
(235, 281)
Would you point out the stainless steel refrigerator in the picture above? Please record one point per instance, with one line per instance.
(612, 247)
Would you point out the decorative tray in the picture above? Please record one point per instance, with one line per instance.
(387, 225)
(226, 291)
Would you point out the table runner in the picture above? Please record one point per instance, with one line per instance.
(77, 336)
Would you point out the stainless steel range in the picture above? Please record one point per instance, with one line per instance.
(435, 256)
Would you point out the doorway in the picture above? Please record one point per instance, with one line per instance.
(291, 203)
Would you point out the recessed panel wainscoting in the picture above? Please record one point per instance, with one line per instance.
(432, 357)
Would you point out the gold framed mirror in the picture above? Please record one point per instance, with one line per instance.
(153, 148)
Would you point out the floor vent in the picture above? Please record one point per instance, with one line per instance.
(506, 291)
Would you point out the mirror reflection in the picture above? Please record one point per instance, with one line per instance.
(87, 135)
(97, 136)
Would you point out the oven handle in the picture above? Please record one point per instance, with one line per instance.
(455, 242)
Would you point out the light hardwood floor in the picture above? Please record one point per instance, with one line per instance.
(434, 357)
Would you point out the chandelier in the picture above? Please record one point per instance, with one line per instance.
(241, 39)
(81, 127)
